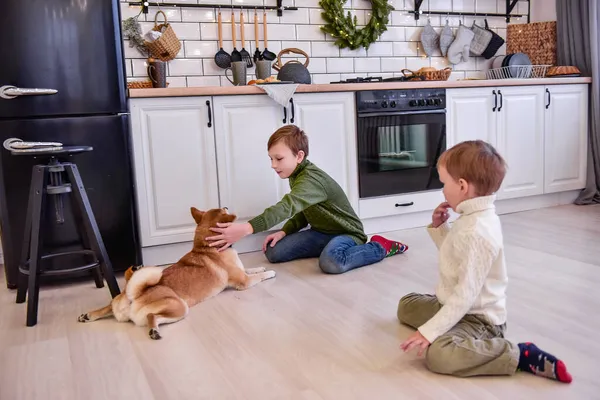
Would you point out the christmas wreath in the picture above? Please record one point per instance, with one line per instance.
(343, 27)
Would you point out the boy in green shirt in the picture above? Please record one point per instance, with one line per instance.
(336, 233)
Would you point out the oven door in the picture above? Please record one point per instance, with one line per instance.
(398, 152)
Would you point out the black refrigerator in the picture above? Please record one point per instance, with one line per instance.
(73, 47)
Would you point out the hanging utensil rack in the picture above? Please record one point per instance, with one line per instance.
(510, 5)
(279, 7)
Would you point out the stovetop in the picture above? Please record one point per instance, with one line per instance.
(371, 79)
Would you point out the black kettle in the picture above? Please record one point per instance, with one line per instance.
(292, 70)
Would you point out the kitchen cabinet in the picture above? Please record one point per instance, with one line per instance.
(174, 156)
(566, 137)
(520, 140)
(470, 115)
(512, 120)
(329, 122)
(247, 184)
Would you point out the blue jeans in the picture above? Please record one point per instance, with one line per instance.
(337, 254)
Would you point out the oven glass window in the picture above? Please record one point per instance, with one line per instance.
(402, 147)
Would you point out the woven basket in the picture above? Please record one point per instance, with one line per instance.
(537, 40)
(141, 85)
(440, 75)
(167, 46)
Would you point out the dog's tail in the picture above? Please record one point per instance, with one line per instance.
(141, 280)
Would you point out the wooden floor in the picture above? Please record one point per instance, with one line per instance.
(306, 335)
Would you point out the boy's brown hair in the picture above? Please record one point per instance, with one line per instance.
(478, 163)
(292, 136)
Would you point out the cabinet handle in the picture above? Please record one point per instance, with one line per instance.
(293, 111)
(284, 115)
(500, 108)
(405, 204)
(549, 100)
(209, 114)
(495, 100)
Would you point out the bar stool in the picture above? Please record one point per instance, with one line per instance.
(57, 178)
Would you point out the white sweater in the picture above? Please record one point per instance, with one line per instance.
(473, 277)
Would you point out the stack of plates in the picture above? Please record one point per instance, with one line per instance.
(512, 64)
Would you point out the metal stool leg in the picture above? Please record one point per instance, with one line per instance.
(39, 183)
(22, 278)
(91, 227)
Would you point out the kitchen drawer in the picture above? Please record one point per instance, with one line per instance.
(401, 204)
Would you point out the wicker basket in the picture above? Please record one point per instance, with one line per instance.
(439, 75)
(167, 46)
(537, 40)
(141, 85)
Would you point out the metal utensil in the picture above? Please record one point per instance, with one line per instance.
(245, 55)
(222, 58)
(267, 55)
(257, 53)
(235, 54)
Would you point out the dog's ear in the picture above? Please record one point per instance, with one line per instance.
(197, 214)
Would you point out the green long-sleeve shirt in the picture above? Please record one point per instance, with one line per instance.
(315, 199)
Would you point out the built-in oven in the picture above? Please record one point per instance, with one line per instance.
(400, 136)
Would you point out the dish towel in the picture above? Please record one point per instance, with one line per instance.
(19, 146)
(280, 93)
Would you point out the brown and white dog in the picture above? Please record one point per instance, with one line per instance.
(155, 296)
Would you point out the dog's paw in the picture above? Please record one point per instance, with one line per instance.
(270, 274)
(153, 333)
(83, 318)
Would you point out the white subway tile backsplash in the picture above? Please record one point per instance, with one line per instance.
(346, 52)
(296, 17)
(317, 65)
(309, 33)
(184, 67)
(195, 49)
(339, 65)
(367, 65)
(325, 78)
(281, 32)
(398, 47)
(176, 81)
(456, 75)
(199, 15)
(415, 63)
(173, 14)
(390, 64)
(381, 49)
(195, 81)
(325, 49)
(393, 34)
(406, 49)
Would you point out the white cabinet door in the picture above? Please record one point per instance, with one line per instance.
(520, 140)
(566, 137)
(175, 166)
(470, 115)
(329, 121)
(243, 125)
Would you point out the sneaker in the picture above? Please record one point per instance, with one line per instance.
(391, 247)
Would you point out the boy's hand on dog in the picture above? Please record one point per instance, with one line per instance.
(416, 340)
(440, 214)
(273, 238)
(230, 233)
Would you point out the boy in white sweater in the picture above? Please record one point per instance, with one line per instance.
(462, 326)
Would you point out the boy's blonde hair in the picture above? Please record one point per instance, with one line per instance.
(478, 163)
(292, 136)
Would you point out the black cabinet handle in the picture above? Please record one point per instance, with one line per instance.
(495, 100)
(209, 114)
(284, 115)
(293, 111)
(500, 108)
(549, 99)
(405, 204)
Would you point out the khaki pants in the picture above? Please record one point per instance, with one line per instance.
(472, 347)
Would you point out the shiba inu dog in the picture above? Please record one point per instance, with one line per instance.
(155, 296)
